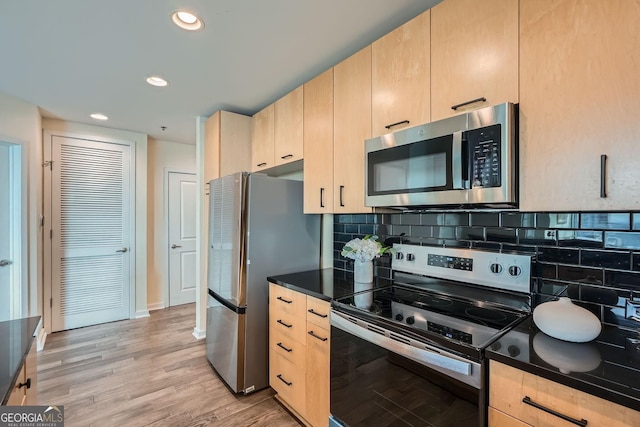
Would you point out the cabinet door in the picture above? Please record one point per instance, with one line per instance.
(400, 77)
(317, 375)
(318, 144)
(352, 126)
(580, 97)
(212, 147)
(474, 54)
(289, 127)
(235, 143)
(262, 139)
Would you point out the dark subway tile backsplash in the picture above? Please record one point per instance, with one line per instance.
(590, 257)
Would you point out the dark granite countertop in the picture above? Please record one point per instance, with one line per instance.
(326, 284)
(603, 367)
(16, 337)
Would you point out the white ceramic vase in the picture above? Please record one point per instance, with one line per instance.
(363, 271)
(566, 321)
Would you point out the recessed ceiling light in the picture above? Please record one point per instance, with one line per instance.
(187, 20)
(99, 116)
(157, 81)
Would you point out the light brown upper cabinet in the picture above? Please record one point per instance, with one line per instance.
(263, 139)
(289, 127)
(400, 77)
(474, 55)
(318, 144)
(227, 147)
(580, 98)
(351, 127)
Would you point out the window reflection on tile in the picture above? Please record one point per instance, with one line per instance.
(636, 221)
(607, 221)
(580, 238)
(557, 220)
(516, 219)
(619, 240)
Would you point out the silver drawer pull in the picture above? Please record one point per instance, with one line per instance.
(324, 316)
(5, 262)
(527, 400)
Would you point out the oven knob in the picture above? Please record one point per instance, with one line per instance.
(411, 257)
(496, 268)
(399, 317)
(399, 255)
(514, 270)
(411, 320)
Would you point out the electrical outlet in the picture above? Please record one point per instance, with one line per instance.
(550, 234)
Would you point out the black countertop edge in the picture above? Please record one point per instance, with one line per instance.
(326, 284)
(597, 387)
(31, 324)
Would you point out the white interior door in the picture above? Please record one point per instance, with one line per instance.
(182, 238)
(91, 225)
(10, 232)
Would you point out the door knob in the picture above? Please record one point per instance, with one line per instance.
(5, 262)
(175, 246)
(122, 250)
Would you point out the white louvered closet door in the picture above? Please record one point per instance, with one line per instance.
(91, 227)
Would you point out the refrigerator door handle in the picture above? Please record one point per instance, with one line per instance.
(226, 303)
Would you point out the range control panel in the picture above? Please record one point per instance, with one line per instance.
(496, 270)
(454, 262)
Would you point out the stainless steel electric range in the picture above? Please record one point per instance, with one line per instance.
(413, 353)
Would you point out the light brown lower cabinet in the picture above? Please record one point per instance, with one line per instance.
(25, 391)
(518, 398)
(299, 362)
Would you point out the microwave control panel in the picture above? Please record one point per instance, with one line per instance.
(485, 152)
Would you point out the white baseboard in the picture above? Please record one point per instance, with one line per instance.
(156, 306)
(199, 333)
(141, 313)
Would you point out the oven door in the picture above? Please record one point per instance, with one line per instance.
(379, 378)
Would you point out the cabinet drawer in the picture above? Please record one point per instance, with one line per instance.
(288, 381)
(287, 347)
(318, 312)
(317, 338)
(508, 387)
(18, 394)
(287, 324)
(500, 419)
(286, 300)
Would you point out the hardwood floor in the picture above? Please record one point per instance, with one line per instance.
(145, 372)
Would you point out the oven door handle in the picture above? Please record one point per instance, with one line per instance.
(419, 354)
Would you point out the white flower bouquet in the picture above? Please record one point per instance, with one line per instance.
(365, 249)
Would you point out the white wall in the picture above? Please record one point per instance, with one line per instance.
(140, 141)
(20, 123)
(163, 156)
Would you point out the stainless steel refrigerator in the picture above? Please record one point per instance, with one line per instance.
(256, 229)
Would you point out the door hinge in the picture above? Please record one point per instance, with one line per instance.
(48, 164)
(50, 234)
(50, 302)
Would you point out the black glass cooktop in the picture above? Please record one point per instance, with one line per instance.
(452, 316)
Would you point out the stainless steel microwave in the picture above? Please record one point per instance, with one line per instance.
(469, 160)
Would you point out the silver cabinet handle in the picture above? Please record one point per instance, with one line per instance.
(122, 250)
(5, 262)
(175, 246)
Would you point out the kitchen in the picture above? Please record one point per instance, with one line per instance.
(574, 209)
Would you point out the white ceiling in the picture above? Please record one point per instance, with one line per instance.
(76, 57)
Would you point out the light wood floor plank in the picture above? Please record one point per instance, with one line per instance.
(145, 372)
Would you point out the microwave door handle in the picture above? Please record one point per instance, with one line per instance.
(457, 161)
